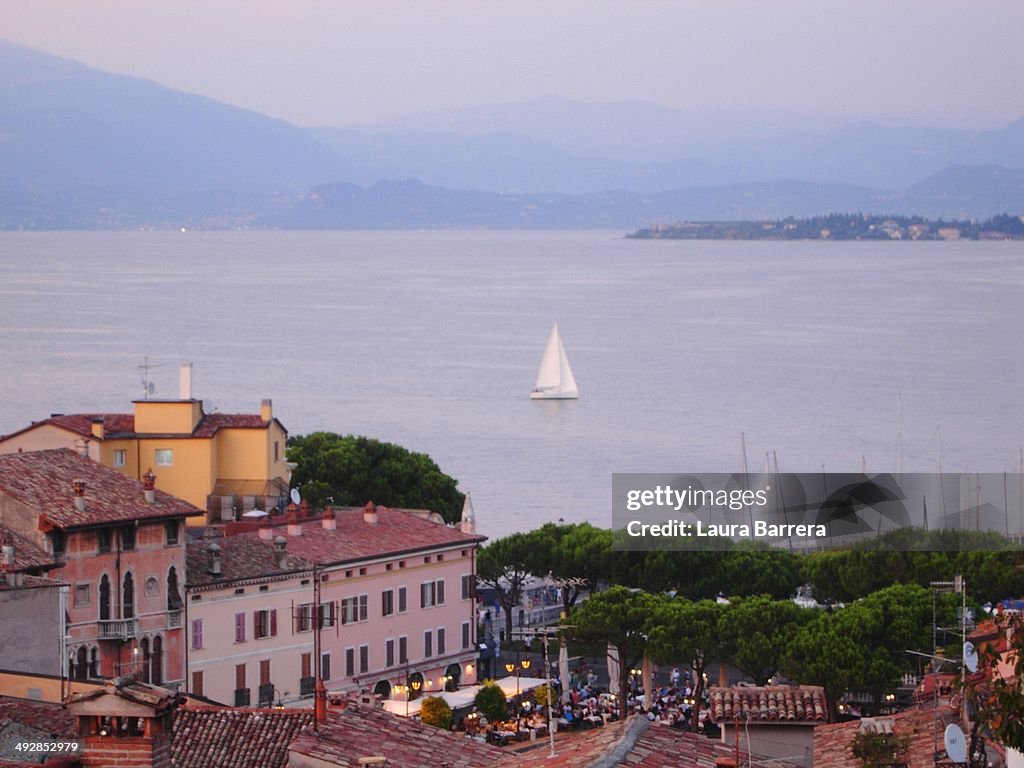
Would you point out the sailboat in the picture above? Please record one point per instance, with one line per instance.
(554, 379)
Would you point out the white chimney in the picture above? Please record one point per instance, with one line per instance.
(215, 561)
(294, 526)
(281, 552)
(185, 381)
(370, 513)
(7, 553)
(266, 533)
(329, 522)
(79, 486)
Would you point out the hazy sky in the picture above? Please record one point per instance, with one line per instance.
(332, 62)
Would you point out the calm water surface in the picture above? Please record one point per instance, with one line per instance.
(432, 340)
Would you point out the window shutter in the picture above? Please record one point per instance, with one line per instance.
(239, 627)
(273, 622)
(440, 592)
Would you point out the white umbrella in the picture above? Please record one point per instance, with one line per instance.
(563, 670)
(613, 672)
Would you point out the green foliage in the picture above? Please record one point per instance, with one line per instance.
(504, 565)
(436, 712)
(577, 551)
(998, 698)
(754, 632)
(877, 750)
(491, 702)
(544, 696)
(350, 471)
(618, 617)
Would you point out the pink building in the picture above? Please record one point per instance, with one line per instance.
(119, 546)
(397, 606)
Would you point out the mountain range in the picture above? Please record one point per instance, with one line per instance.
(85, 149)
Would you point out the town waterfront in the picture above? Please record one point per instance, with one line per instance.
(432, 340)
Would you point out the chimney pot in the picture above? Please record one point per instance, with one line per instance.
(149, 486)
(294, 527)
(79, 487)
(185, 381)
(329, 522)
(281, 551)
(266, 533)
(7, 552)
(370, 513)
(266, 410)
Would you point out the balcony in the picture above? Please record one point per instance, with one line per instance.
(173, 619)
(119, 629)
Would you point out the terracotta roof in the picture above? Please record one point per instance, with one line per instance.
(81, 423)
(776, 704)
(241, 557)
(217, 737)
(53, 719)
(27, 554)
(832, 743)
(360, 731)
(396, 531)
(43, 481)
(123, 424)
(664, 747)
(154, 696)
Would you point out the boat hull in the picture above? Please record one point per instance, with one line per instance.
(535, 395)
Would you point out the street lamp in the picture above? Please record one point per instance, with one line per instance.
(511, 667)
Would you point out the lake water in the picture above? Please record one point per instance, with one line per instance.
(432, 340)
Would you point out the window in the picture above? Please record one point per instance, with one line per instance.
(239, 627)
(105, 599)
(277, 451)
(354, 609)
(128, 538)
(403, 650)
(171, 528)
(197, 683)
(350, 662)
(164, 457)
(467, 639)
(264, 623)
(103, 537)
(362, 571)
(328, 614)
(120, 457)
(364, 659)
(304, 619)
(240, 676)
(389, 653)
(428, 644)
(265, 672)
(128, 597)
(59, 541)
(387, 602)
(402, 602)
(197, 634)
(468, 582)
(440, 558)
(440, 641)
(325, 666)
(306, 665)
(431, 593)
(81, 595)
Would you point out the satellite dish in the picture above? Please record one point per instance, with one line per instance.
(295, 496)
(970, 657)
(956, 744)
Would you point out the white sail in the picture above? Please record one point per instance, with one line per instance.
(554, 378)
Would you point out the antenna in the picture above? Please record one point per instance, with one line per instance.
(148, 387)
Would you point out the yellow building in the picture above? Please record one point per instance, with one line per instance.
(225, 463)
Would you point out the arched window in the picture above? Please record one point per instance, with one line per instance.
(128, 597)
(104, 598)
(174, 602)
(94, 663)
(81, 664)
(157, 674)
(146, 659)
(71, 667)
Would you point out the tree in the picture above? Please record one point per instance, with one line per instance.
(490, 701)
(576, 556)
(880, 750)
(997, 689)
(436, 712)
(503, 565)
(682, 629)
(350, 470)
(754, 632)
(618, 617)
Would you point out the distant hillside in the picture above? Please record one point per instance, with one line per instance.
(83, 149)
(66, 128)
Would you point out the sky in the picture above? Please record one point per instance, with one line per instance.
(341, 62)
